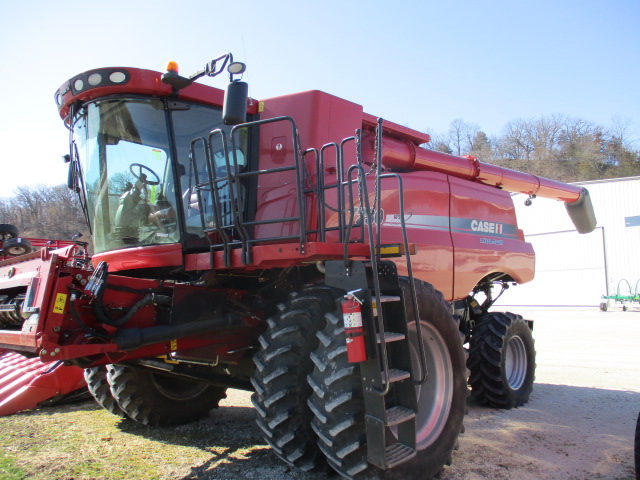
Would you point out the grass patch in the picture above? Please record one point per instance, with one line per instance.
(84, 442)
(9, 470)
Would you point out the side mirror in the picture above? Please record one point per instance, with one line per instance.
(72, 178)
(234, 110)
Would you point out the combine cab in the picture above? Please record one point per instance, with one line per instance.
(296, 247)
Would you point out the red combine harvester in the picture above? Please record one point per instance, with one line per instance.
(295, 247)
(25, 381)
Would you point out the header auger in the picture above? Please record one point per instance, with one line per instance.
(295, 247)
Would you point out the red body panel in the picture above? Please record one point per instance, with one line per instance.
(34, 273)
(138, 258)
(321, 119)
(462, 231)
(485, 236)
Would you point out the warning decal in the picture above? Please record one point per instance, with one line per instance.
(61, 300)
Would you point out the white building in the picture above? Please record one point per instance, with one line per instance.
(574, 269)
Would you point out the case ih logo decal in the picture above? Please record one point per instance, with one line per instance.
(486, 227)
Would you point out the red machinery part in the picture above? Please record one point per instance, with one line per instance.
(352, 315)
(27, 382)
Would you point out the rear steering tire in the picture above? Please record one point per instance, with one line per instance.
(502, 360)
(154, 399)
(338, 404)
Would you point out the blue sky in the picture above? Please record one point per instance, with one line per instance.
(418, 63)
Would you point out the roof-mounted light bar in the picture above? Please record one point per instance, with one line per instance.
(94, 79)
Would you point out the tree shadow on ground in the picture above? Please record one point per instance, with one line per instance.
(230, 435)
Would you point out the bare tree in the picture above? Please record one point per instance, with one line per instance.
(44, 212)
(461, 135)
(481, 147)
(439, 142)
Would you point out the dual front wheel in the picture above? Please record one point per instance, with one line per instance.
(309, 399)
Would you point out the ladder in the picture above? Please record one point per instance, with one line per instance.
(388, 383)
(388, 378)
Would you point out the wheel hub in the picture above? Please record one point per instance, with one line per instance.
(434, 396)
(515, 364)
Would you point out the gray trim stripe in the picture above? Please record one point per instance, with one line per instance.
(458, 225)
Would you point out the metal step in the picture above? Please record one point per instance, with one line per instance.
(389, 298)
(389, 337)
(398, 453)
(383, 299)
(396, 375)
(399, 414)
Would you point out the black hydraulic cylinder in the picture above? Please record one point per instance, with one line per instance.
(132, 338)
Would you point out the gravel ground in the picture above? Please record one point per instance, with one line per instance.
(580, 420)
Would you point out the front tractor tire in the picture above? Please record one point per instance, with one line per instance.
(280, 377)
(502, 360)
(338, 404)
(159, 400)
(98, 386)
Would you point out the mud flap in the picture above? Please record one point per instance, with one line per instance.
(27, 382)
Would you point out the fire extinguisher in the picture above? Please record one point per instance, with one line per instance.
(352, 315)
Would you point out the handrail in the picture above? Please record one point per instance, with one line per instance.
(296, 167)
(386, 384)
(414, 295)
(322, 188)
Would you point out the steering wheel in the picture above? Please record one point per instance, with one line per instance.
(142, 176)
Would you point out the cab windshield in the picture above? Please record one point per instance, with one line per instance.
(125, 147)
